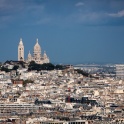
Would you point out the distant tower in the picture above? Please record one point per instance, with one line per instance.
(20, 51)
(29, 57)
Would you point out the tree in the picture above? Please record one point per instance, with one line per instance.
(39, 67)
(59, 67)
(5, 69)
(47, 66)
(82, 72)
(15, 67)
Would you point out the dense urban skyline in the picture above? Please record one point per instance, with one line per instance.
(70, 31)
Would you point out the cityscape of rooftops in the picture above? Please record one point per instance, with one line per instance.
(61, 62)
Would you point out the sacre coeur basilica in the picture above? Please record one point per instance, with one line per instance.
(37, 56)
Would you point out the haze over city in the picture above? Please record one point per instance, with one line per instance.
(70, 31)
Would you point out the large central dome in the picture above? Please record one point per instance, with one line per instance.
(37, 47)
(37, 56)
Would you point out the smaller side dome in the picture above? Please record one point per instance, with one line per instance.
(45, 55)
(29, 54)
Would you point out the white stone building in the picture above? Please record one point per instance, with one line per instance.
(120, 71)
(37, 56)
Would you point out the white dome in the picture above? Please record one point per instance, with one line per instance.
(37, 46)
(45, 55)
(29, 54)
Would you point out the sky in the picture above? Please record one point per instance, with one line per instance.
(70, 31)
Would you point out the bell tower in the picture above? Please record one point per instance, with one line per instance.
(20, 51)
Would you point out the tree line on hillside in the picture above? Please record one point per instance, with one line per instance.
(79, 71)
(45, 66)
(35, 66)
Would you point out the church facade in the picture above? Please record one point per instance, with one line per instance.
(37, 56)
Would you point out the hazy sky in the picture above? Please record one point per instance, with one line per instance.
(70, 31)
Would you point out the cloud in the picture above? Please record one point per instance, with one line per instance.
(44, 20)
(6, 5)
(89, 18)
(118, 14)
(12, 11)
(12, 6)
(79, 4)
